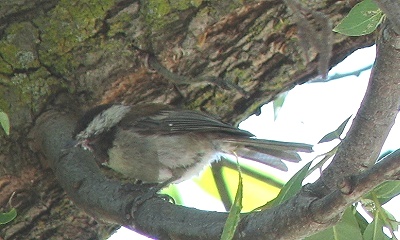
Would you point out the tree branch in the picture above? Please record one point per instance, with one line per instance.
(386, 169)
(391, 8)
(376, 116)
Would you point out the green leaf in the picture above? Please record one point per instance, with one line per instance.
(374, 230)
(387, 219)
(173, 191)
(346, 228)
(278, 103)
(362, 222)
(8, 216)
(326, 157)
(5, 122)
(234, 214)
(335, 134)
(385, 191)
(362, 19)
(291, 187)
(388, 189)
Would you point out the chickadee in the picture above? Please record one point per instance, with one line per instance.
(156, 143)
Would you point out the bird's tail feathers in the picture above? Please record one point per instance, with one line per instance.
(261, 158)
(271, 144)
(268, 152)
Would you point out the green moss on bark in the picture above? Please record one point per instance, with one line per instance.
(69, 26)
(51, 41)
(17, 51)
(159, 14)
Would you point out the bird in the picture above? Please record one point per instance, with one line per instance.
(159, 143)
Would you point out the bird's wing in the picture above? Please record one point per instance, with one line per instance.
(182, 121)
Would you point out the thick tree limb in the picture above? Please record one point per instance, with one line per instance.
(376, 116)
(386, 169)
(79, 176)
(391, 8)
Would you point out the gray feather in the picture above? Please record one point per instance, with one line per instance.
(262, 158)
(263, 144)
(267, 151)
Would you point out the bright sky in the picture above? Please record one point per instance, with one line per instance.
(310, 111)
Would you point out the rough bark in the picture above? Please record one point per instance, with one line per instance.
(233, 57)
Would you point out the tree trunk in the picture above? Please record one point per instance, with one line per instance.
(223, 57)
